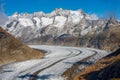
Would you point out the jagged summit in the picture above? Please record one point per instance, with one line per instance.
(55, 12)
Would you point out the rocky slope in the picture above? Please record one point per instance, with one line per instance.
(105, 69)
(12, 49)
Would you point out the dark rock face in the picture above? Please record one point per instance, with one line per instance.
(110, 72)
(2, 35)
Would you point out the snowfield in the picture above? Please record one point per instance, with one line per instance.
(55, 62)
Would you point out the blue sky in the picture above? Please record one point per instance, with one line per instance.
(103, 8)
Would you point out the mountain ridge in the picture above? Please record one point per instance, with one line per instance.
(60, 27)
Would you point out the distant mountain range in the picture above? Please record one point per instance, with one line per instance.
(62, 27)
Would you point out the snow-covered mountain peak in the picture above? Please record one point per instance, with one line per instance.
(15, 14)
(39, 14)
(58, 22)
(57, 12)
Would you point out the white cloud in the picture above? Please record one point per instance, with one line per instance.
(94, 16)
(3, 17)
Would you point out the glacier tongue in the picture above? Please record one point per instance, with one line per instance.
(56, 61)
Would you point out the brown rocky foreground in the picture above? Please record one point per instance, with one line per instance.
(107, 68)
(12, 49)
